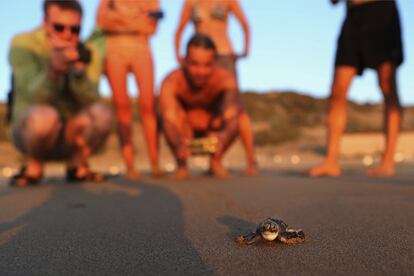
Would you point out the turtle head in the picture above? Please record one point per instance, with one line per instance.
(269, 229)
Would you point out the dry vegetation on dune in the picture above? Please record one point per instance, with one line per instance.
(280, 116)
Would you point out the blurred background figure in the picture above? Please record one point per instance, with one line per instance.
(210, 17)
(55, 114)
(200, 100)
(128, 26)
(370, 38)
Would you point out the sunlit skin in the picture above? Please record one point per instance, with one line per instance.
(337, 118)
(63, 53)
(128, 50)
(63, 57)
(217, 30)
(198, 85)
(337, 115)
(65, 17)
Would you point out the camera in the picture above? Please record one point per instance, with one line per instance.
(85, 55)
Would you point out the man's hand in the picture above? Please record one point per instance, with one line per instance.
(182, 151)
(62, 57)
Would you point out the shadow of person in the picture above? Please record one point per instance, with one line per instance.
(101, 230)
(237, 226)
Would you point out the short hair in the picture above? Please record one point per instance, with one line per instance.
(203, 41)
(72, 5)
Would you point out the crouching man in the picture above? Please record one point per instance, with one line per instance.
(55, 114)
(201, 100)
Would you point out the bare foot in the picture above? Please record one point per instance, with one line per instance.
(382, 170)
(325, 169)
(181, 174)
(251, 170)
(217, 169)
(157, 172)
(133, 175)
(26, 177)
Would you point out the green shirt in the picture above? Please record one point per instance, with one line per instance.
(28, 57)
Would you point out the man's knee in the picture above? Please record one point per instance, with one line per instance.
(101, 117)
(385, 84)
(387, 77)
(392, 102)
(41, 121)
(339, 92)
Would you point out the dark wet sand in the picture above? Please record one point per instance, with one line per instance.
(353, 224)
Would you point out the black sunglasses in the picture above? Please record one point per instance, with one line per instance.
(75, 29)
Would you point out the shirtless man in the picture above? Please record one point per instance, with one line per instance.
(211, 18)
(201, 99)
(370, 38)
(128, 26)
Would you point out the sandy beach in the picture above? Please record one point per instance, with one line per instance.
(353, 224)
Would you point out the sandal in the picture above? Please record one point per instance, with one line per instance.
(72, 176)
(22, 180)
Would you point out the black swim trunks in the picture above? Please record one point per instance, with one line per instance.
(370, 36)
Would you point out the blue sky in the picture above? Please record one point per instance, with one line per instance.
(293, 45)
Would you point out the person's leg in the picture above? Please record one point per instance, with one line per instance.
(246, 135)
(117, 71)
(35, 134)
(337, 117)
(392, 118)
(84, 133)
(228, 62)
(101, 124)
(216, 166)
(143, 70)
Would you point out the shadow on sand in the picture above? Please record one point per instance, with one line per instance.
(87, 229)
(237, 226)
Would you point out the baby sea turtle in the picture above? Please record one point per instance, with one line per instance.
(272, 229)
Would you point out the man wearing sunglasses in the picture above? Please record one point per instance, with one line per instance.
(55, 114)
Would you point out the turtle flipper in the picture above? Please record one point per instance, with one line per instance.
(291, 236)
(248, 239)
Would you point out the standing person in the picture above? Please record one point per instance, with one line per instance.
(198, 100)
(370, 38)
(210, 17)
(128, 26)
(55, 113)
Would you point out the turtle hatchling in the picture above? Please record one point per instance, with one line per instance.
(272, 229)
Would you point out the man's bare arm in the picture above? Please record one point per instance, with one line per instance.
(230, 109)
(169, 112)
